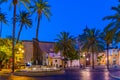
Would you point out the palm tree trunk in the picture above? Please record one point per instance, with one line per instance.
(0, 65)
(71, 62)
(92, 58)
(13, 37)
(19, 32)
(1, 30)
(38, 26)
(37, 32)
(85, 60)
(107, 56)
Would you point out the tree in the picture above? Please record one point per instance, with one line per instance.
(115, 19)
(2, 58)
(24, 19)
(2, 20)
(112, 30)
(15, 3)
(114, 26)
(6, 53)
(41, 7)
(108, 36)
(65, 44)
(91, 42)
(5, 50)
(73, 55)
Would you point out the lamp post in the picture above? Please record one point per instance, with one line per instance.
(84, 55)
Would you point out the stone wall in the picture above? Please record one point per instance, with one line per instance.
(28, 51)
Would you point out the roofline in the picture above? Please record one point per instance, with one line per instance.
(39, 41)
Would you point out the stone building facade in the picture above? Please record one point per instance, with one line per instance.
(50, 58)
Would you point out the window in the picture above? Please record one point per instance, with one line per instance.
(55, 60)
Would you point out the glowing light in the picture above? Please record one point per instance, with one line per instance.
(19, 49)
(29, 63)
(34, 68)
(22, 51)
(84, 55)
(87, 59)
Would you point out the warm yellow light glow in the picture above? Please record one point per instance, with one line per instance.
(84, 55)
(20, 49)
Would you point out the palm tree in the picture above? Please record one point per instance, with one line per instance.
(108, 36)
(91, 42)
(111, 31)
(2, 20)
(115, 19)
(65, 44)
(15, 3)
(114, 25)
(24, 19)
(41, 7)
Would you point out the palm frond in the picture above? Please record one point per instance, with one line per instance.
(2, 1)
(116, 9)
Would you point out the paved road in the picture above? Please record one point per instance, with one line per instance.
(70, 74)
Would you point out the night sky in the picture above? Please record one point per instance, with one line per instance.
(67, 15)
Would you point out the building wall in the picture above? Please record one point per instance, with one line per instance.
(74, 63)
(54, 59)
(114, 57)
(28, 51)
(57, 62)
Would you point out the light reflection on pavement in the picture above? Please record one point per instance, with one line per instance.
(70, 74)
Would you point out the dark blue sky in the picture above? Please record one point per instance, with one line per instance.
(67, 15)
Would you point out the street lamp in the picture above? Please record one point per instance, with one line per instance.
(84, 55)
(20, 49)
(87, 59)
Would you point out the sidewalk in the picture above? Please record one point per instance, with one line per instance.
(102, 68)
(5, 71)
(115, 74)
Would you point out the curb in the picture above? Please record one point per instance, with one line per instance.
(100, 70)
(40, 74)
(113, 76)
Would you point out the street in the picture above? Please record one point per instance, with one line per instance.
(70, 74)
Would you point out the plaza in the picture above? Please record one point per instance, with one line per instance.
(70, 74)
(59, 40)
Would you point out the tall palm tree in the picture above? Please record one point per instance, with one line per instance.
(64, 44)
(41, 7)
(15, 3)
(24, 19)
(2, 20)
(91, 42)
(114, 24)
(112, 30)
(108, 36)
